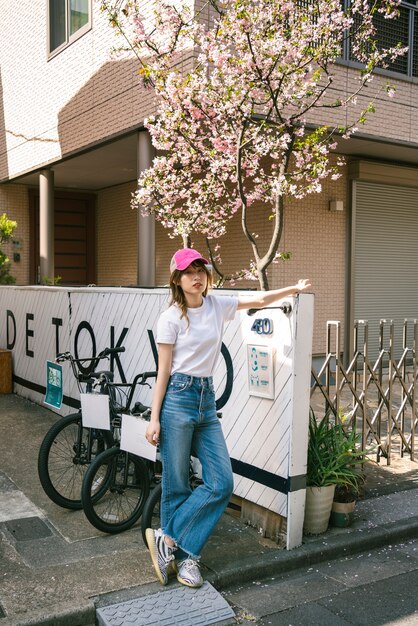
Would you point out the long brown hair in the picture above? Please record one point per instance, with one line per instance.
(177, 293)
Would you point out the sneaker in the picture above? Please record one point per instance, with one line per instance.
(188, 573)
(161, 553)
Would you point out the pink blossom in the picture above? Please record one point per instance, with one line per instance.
(233, 124)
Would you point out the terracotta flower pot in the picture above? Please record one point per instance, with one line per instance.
(318, 509)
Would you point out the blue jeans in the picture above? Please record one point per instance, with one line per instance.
(189, 425)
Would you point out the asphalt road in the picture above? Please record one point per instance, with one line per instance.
(373, 588)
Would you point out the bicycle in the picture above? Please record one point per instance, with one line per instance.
(115, 491)
(69, 447)
(117, 483)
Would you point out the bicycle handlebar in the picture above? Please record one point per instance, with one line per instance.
(116, 350)
(92, 378)
(146, 375)
(67, 356)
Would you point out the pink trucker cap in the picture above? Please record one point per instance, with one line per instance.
(182, 259)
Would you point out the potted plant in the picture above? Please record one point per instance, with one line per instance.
(343, 505)
(333, 463)
(346, 496)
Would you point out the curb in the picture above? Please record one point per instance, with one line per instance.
(248, 569)
(269, 564)
(56, 615)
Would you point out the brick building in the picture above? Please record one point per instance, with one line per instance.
(72, 143)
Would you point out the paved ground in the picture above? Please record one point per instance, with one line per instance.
(55, 568)
(372, 588)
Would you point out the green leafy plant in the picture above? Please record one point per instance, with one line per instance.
(7, 228)
(55, 280)
(346, 493)
(333, 455)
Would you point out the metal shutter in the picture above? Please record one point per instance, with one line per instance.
(385, 257)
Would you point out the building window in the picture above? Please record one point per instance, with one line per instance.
(390, 32)
(68, 20)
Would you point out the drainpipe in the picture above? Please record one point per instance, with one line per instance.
(146, 224)
(46, 225)
(350, 276)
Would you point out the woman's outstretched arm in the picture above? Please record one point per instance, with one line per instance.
(265, 298)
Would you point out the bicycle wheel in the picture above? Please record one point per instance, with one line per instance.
(114, 490)
(151, 513)
(65, 453)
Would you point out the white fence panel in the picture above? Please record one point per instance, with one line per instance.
(266, 436)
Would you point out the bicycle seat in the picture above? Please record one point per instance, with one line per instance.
(139, 408)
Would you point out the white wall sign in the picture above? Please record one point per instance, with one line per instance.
(260, 371)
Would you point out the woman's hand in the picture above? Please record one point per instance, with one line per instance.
(303, 284)
(152, 434)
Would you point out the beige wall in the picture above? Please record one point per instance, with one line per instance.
(395, 118)
(316, 237)
(116, 237)
(52, 107)
(14, 201)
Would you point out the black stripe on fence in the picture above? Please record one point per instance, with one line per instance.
(268, 479)
(71, 402)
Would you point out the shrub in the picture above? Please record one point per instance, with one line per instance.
(7, 228)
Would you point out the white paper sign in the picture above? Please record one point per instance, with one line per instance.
(133, 437)
(95, 411)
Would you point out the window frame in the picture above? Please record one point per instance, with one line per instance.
(412, 7)
(69, 39)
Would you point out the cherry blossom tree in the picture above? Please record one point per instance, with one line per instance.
(240, 85)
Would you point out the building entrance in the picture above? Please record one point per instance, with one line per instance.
(74, 238)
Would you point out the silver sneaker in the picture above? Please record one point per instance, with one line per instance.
(161, 554)
(188, 573)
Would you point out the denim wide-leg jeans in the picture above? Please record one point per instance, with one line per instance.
(189, 425)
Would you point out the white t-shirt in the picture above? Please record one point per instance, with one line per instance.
(196, 345)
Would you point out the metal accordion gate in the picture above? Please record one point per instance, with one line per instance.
(375, 393)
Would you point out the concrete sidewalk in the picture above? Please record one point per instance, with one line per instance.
(55, 568)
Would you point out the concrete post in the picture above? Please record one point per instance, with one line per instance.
(146, 224)
(46, 224)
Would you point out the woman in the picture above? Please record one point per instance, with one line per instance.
(183, 415)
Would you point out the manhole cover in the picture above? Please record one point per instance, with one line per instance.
(180, 606)
(28, 528)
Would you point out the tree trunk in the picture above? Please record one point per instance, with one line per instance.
(187, 242)
(262, 279)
